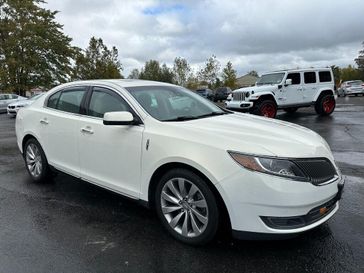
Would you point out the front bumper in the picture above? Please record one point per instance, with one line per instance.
(252, 197)
(239, 105)
(12, 112)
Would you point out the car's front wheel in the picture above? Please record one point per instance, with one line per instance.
(36, 161)
(266, 108)
(187, 207)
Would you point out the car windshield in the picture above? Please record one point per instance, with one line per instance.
(275, 78)
(173, 103)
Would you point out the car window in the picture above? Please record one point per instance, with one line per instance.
(2, 97)
(310, 77)
(53, 100)
(70, 100)
(295, 77)
(325, 76)
(14, 96)
(104, 100)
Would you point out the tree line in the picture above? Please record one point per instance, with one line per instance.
(34, 52)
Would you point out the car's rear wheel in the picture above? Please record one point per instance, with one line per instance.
(325, 105)
(36, 161)
(187, 207)
(291, 110)
(266, 108)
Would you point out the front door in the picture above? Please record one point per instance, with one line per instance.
(110, 155)
(292, 93)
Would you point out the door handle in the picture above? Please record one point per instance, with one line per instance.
(44, 121)
(87, 130)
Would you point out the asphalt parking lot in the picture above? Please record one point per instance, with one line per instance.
(72, 226)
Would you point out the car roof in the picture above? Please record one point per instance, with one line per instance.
(125, 83)
(298, 70)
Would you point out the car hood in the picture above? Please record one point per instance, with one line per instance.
(255, 135)
(23, 102)
(256, 89)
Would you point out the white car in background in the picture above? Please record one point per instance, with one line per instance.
(14, 107)
(6, 99)
(199, 166)
(351, 88)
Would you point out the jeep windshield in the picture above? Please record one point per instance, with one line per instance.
(274, 78)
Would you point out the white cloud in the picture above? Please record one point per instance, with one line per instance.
(260, 35)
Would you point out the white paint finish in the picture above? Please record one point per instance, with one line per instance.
(110, 155)
(117, 158)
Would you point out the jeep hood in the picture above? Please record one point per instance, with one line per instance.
(256, 89)
(255, 135)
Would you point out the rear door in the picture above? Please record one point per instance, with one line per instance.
(310, 86)
(60, 121)
(110, 155)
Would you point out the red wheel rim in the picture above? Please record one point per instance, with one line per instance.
(268, 110)
(328, 105)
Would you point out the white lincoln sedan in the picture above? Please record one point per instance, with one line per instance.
(199, 166)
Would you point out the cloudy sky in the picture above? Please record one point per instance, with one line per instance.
(261, 35)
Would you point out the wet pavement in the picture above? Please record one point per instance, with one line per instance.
(72, 226)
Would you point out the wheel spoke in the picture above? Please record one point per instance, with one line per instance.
(29, 155)
(200, 203)
(173, 189)
(182, 187)
(185, 224)
(176, 219)
(169, 198)
(167, 209)
(195, 228)
(192, 191)
(199, 216)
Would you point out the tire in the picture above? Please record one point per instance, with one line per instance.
(325, 105)
(36, 162)
(266, 108)
(291, 110)
(193, 219)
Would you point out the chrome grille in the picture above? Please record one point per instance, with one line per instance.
(319, 170)
(239, 96)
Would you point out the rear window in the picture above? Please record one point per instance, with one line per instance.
(325, 76)
(310, 77)
(70, 100)
(67, 100)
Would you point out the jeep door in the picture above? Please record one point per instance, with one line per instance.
(309, 86)
(293, 92)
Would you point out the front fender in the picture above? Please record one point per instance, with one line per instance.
(257, 96)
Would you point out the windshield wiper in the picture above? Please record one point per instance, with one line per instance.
(181, 118)
(184, 118)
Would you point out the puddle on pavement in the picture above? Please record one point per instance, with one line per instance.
(352, 158)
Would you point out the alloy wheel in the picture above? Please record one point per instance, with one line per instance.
(33, 160)
(184, 207)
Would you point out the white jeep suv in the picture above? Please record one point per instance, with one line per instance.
(287, 90)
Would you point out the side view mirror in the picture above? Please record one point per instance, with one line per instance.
(119, 118)
(288, 82)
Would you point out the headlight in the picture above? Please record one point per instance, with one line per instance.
(269, 165)
(247, 94)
